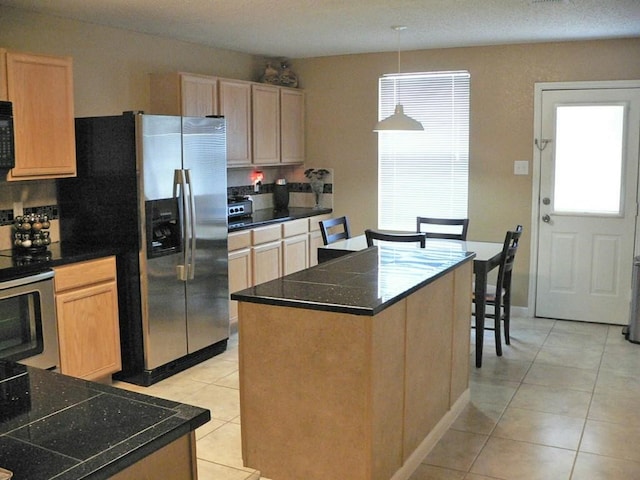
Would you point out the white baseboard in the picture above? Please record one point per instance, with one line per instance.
(420, 453)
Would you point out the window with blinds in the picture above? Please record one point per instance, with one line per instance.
(424, 173)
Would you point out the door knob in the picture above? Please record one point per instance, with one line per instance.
(546, 218)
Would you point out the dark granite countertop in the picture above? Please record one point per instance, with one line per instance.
(14, 263)
(361, 283)
(267, 216)
(57, 427)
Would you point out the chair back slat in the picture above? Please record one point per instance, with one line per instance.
(334, 229)
(463, 223)
(372, 235)
(509, 249)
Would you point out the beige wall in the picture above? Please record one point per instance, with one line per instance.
(111, 66)
(111, 69)
(342, 109)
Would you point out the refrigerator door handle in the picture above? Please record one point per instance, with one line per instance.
(179, 193)
(190, 200)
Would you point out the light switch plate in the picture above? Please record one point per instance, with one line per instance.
(521, 167)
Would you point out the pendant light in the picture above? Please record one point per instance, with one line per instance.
(398, 121)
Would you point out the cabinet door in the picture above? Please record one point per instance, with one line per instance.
(295, 254)
(291, 126)
(88, 331)
(235, 105)
(199, 95)
(267, 262)
(240, 277)
(266, 124)
(41, 89)
(315, 241)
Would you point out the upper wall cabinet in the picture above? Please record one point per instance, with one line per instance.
(235, 105)
(278, 125)
(200, 95)
(184, 94)
(265, 123)
(291, 125)
(41, 90)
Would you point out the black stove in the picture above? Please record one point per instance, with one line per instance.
(239, 207)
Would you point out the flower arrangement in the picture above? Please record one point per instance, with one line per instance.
(316, 180)
(318, 174)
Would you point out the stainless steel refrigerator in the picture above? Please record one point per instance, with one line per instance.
(154, 188)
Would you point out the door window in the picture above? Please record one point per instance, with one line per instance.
(588, 159)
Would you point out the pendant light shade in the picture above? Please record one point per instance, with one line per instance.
(398, 121)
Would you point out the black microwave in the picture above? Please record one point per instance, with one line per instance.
(7, 142)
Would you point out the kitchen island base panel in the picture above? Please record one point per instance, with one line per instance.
(418, 456)
(334, 395)
(332, 379)
(176, 461)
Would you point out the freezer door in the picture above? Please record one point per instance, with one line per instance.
(164, 319)
(204, 158)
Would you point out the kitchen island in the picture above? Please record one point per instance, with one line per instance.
(356, 367)
(55, 426)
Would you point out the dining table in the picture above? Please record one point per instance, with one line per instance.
(488, 255)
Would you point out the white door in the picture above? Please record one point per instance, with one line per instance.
(588, 203)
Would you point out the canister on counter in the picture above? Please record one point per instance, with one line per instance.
(280, 195)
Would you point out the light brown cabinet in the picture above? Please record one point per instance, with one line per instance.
(291, 125)
(266, 253)
(240, 268)
(265, 123)
(184, 94)
(201, 95)
(235, 105)
(87, 314)
(41, 90)
(295, 246)
(315, 237)
(278, 125)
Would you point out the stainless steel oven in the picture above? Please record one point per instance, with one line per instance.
(28, 331)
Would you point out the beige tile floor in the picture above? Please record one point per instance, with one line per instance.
(563, 402)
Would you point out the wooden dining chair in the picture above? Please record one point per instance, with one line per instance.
(499, 295)
(372, 235)
(334, 229)
(463, 223)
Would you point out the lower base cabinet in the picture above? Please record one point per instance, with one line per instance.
(87, 315)
(266, 253)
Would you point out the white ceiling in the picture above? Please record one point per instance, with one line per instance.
(309, 28)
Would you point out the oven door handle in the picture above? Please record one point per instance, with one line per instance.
(17, 282)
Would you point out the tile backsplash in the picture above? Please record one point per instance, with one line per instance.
(300, 194)
(20, 198)
(39, 196)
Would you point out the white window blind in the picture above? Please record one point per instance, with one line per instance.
(424, 173)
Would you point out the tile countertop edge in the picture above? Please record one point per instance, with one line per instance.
(58, 254)
(124, 450)
(249, 295)
(122, 462)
